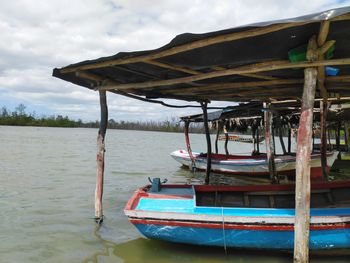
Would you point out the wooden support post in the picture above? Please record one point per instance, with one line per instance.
(188, 145)
(207, 135)
(338, 138)
(280, 135)
(289, 138)
(329, 138)
(218, 127)
(226, 136)
(273, 136)
(302, 182)
(323, 124)
(254, 140)
(257, 141)
(269, 143)
(313, 140)
(101, 157)
(347, 134)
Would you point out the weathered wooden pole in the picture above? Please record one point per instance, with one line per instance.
(101, 158)
(337, 137)
(302, 182)
(254, 139)
(347, 134)
(280, 135)
(257, 140)
(270, 151)
(207, 135)
(219, 127)
(188, 145)
(329, 138)
(273, 135)
(226, 136)
(313, 140)
(323, 148)
(289, 138)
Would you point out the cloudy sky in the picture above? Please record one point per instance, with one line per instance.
(39, 35)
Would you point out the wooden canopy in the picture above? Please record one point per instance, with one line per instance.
(255, 110)
(238, 64)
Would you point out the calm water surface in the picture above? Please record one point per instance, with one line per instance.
(47, 179)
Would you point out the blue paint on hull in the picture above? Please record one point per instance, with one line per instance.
(188, 206)
(256, 239)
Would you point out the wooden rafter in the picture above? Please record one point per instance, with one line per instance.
(250, 75)
(250, 84)
(168, 66)
(253, 68)
(321, 40)
(234, 85)
(286, 91)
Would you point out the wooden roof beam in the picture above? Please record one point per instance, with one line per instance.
(250, 84)
(250, 75)
(321, 40)
(293, 90)
(235, 85)
(253, 68)
(175, 68)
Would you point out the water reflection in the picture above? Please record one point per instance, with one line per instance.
(154, 251)
(145, 250)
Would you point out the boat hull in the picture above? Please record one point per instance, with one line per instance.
(252, 166)
(241, 238)
(235, 216)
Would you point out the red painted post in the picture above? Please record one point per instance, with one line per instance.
(323, 123)
(302, 180)
(100, 158)
(188, 145)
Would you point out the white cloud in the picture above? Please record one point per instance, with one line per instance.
(38, 35)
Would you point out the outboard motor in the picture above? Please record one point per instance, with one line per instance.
(156, 184)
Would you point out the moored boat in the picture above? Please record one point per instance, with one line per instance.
(253, 217)
(251, 165)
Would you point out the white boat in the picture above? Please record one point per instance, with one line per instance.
(251, 165)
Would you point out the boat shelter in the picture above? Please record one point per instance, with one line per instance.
(304, 59)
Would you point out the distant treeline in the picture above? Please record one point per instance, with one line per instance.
(19, 117)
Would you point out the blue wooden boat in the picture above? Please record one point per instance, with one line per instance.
(253, 217)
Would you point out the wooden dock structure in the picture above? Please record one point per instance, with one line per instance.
(248, 63)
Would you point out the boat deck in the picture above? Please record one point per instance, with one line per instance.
(235, 200)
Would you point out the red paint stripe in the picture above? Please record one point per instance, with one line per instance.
(234, 226)
(169, 196)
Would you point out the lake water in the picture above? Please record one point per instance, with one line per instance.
(47, 181)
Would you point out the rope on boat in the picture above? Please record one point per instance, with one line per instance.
(223, 229)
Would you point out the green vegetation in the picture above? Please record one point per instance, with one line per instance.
(19, 117)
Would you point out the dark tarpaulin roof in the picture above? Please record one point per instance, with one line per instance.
(127, 68)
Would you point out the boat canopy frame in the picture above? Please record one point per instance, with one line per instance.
(242, 64)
